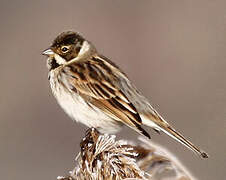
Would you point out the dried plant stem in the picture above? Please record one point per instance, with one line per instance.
(102, 157)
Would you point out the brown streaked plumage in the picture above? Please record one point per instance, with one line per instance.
(94, 91)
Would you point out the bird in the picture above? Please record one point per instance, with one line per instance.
(94, 91)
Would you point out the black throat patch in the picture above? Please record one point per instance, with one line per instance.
(53, 64)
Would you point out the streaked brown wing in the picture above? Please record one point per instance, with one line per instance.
(93, 81)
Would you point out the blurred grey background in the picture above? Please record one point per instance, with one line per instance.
(174, 51)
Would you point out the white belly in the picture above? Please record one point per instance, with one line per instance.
(80, 110)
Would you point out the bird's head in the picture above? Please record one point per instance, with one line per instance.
(66, 47)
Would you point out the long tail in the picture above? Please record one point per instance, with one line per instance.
(166, 128)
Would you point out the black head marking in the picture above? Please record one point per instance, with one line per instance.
(67, 38)
(70, 40)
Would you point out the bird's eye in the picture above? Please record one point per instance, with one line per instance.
(64, 49)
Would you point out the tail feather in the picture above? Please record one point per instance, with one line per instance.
(166, 128)
(176, 135)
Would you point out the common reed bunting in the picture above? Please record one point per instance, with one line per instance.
(94, 91)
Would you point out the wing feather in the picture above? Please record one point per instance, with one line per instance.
(94, 80)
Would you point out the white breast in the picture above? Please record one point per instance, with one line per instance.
(80, 110)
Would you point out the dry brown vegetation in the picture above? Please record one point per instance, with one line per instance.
(102, 157)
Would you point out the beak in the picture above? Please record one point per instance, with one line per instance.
(48, 52)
